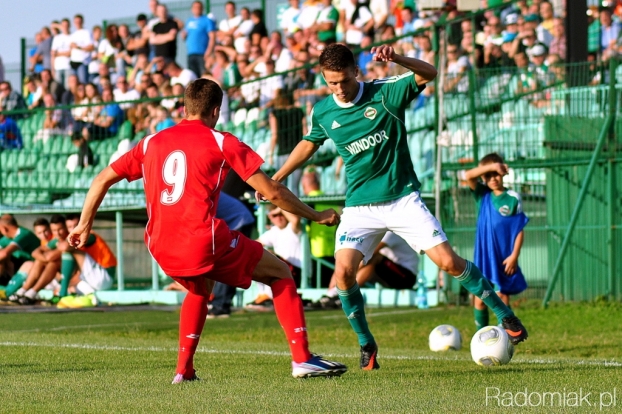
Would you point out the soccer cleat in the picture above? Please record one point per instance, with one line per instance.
(515, 329)
(317, 367)
(25, 300)
(369, 353)
(179, 378)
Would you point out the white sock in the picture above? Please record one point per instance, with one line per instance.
(31, 294)
(83, 288)
(332, 292)
(20, 292)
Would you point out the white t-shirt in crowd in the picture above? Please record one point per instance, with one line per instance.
(307, 15)
(61, 43)
(269, 86)
(399, 252)
(185, 77)
(129, 95)
(81, 38)
(227, 24)
(284, 242)
(289, 18)
(244, 29)
(355, 36)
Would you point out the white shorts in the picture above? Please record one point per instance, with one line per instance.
(94, 275)
(362, 227)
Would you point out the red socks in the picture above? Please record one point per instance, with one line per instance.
(191, 322)
(289, 312)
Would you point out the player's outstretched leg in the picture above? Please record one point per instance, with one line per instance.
(289, 311)
(353, 305)
(472, 279)
(191, 322)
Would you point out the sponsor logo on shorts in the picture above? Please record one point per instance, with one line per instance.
(345, 238)
(436, 233)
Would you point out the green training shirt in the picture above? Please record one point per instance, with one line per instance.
(26, 240)
(370, 136)
(507, 203)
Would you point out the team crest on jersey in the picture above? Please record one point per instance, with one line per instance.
(370, 113)
(504, 211)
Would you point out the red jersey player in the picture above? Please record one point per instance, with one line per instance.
(183, 169)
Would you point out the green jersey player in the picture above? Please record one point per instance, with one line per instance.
(366, 123)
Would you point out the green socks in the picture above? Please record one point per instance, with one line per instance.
(353, 305)
(15, 283)
(473, 280)
(67, 266)
(481, 318)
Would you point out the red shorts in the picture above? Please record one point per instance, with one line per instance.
(234, 268)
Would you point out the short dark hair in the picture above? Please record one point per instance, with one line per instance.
(79, 16)
(41, 221)
(491, 159)
(57, 219)
(9, 220)
(202, 96)
(258, 13)
(72, 216)
(337, 57)
(141, 17)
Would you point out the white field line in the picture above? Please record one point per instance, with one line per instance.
(101, 325)
(521, 360)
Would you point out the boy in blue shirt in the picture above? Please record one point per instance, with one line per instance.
(499, 234)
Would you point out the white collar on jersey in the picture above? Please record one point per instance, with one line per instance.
(350, 104)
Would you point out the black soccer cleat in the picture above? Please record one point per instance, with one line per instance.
(369, 354)
(515, 329)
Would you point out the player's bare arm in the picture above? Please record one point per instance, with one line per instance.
(511, 262)
(473, 174)
(104, 180)
(303, 151)
(280, 196)
(424, 72)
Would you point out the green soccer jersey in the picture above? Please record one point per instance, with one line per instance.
(26, 240)
(507, 203)
(370, 136)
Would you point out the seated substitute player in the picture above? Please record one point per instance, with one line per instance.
(46, 266)
(394, 265)
(499, 234)
(183, 169)
(96, 265)
(16, 246)
(366, 123)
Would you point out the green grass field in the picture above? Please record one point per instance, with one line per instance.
(123, 362)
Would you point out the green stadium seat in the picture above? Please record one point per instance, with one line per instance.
(26, 160)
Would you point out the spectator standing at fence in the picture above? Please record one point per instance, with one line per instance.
(241, 35)
(110, 49)
(43, 52)
(164, 35)
(200, 36)
(289, 18)
(81, 47)
(60, 53)
(457, 80)
(325, 24)
(558, 44)
(357, 21)
(138, 43)
(227, 26)
(499, 235)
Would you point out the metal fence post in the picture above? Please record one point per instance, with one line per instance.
(473, 111)
(119, 227)
(207, 7)
(23, 64)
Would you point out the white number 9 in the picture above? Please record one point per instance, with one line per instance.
(174, 173)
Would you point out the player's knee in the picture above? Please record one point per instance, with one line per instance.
(453, 265)
(345, 272)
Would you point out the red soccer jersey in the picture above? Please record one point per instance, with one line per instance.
(183, 169)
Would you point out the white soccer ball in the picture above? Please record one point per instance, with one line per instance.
(445, 338)
(491, 346)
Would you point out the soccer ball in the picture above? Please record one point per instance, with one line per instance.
(491, 346)
(445, 338)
